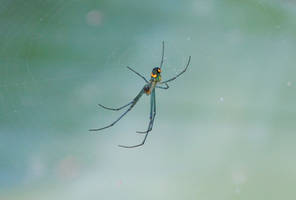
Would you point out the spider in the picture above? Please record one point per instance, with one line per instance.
(148, 89)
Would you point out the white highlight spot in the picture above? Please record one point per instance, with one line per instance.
(289, 83)
(237, 190)
(36, 168)
(239, 177)
(221, 99)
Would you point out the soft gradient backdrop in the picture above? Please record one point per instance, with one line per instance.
(224, 130)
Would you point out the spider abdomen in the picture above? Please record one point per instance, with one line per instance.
(147, 89)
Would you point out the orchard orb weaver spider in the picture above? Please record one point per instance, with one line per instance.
(148, 89)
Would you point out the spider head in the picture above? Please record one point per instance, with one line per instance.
(155, 74)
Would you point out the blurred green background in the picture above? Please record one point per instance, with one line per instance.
(224, 130)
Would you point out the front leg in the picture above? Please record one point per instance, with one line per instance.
(138, 74)
(171, 79)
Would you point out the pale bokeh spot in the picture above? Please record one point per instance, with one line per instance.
(94, 18)
(289, 83)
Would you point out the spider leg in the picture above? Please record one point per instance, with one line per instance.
(150, 126)
(152, 116)
(133, 103)
(115, 109)
(171, 79)
(162, 55)
(138, 74)
(165, 88)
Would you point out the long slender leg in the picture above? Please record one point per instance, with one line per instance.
(138, 74)
(115, 109)
(171, 79)
(152, 116)
(154, 113)
(165, 88)
(135, 100)
(162, 55)
(138, 145)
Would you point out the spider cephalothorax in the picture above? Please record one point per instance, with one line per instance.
(155, 74)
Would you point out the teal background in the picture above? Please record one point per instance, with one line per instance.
(224, 130)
